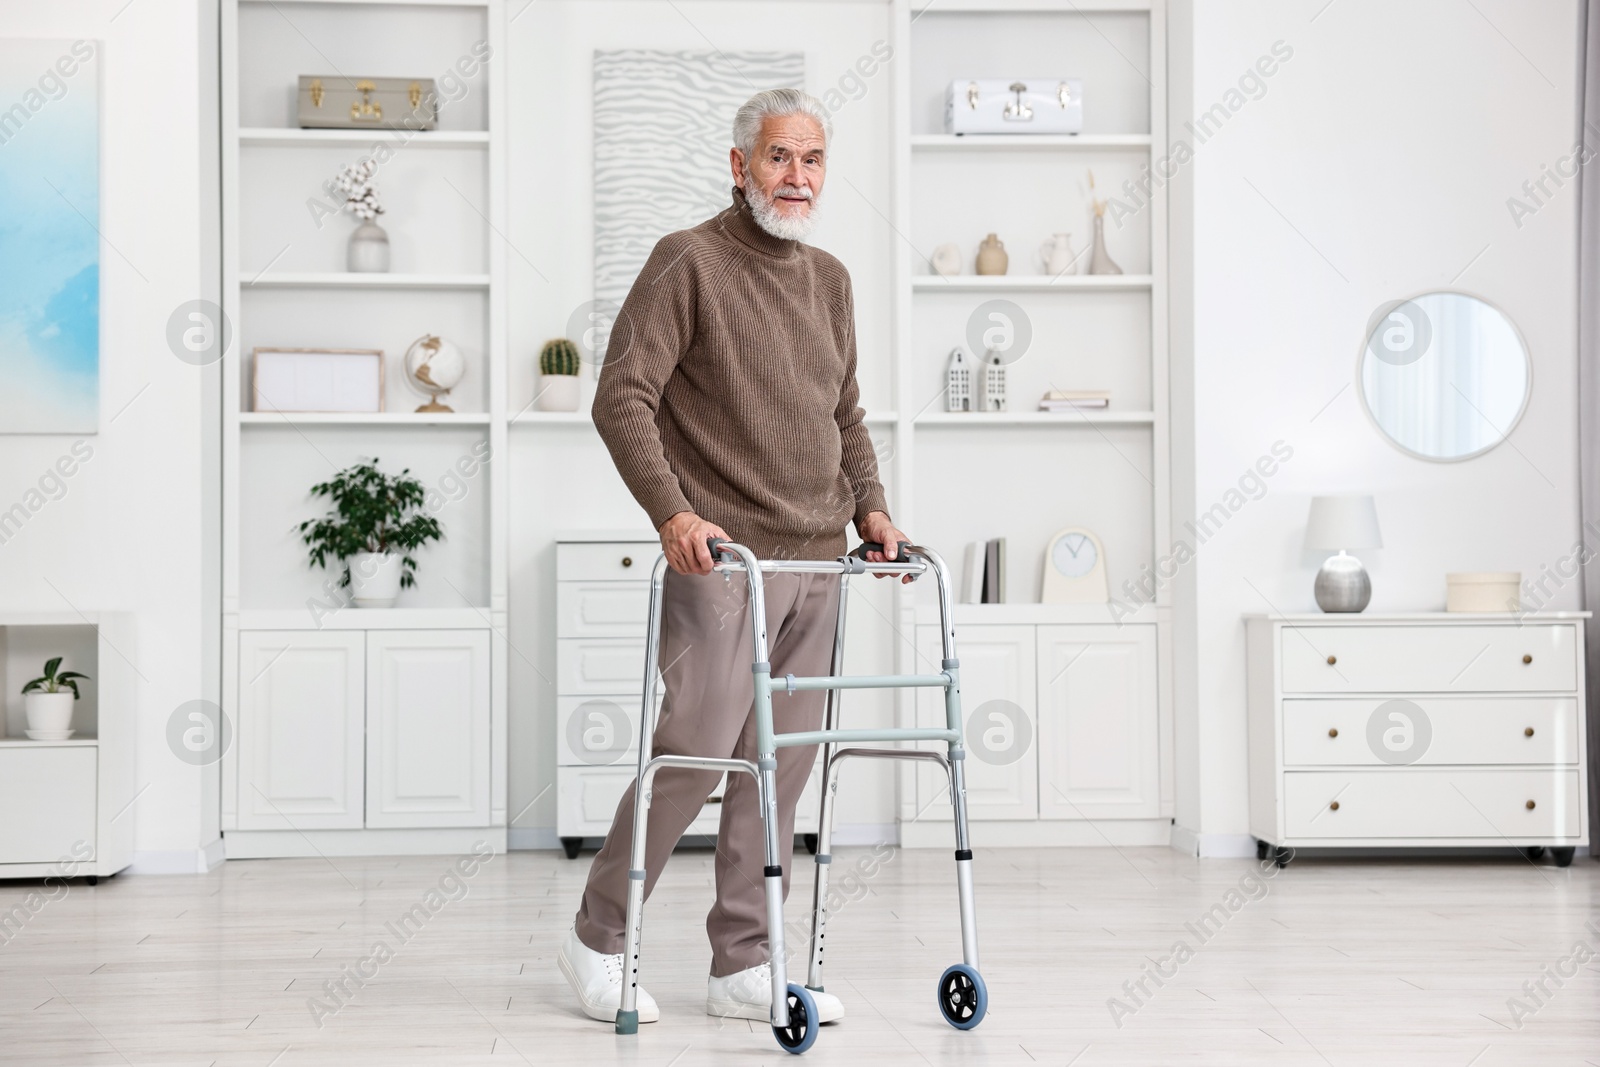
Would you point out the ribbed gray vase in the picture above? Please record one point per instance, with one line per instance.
(1343, 585)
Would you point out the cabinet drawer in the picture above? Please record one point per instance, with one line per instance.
(48, 797)
(1430, 730)
(602, 609)
(606, 561)
(1413, 659)
(599, 665)
(1428, 803)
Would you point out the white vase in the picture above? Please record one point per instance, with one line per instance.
(375, 579)
(1057, 255)
(369, 250)
(49, 712)
(558, 392)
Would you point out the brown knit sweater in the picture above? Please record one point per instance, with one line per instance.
(729, 389)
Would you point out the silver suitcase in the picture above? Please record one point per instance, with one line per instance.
(333, 101)
(1014, 105)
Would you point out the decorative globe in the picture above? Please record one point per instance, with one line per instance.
(434, 366)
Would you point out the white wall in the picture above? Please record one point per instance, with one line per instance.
(136, 529)
(1377, 163)
(562, 476)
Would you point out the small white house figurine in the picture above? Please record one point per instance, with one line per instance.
(992, 385)
(958, 382)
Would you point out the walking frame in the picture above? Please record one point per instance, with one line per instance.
(962, 996)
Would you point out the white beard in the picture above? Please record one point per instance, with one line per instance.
(772, 220)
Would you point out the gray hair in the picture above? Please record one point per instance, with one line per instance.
(770, 103)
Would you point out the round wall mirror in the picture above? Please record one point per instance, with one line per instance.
(1444, 375)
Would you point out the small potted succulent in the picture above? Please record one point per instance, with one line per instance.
(558, 375)
(376, 523)
(48, 701)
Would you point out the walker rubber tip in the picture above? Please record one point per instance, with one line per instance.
(627, 1022)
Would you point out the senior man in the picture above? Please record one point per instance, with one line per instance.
(728, 401)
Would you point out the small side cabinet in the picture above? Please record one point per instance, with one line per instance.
(1417, 731)
(383, 736)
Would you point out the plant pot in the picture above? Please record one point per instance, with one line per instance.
(558, 392)
(49, 712)
(369, 250)
(375, 579)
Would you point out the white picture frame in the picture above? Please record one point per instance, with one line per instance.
(342, 380)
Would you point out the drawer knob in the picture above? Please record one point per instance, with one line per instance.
(1333, 731)
(627, 561)
(1527, 658)
(1527, 732)
(1335, 805)
(1332, 660)
(1530, 805)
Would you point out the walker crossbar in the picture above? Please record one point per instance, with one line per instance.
(791, 683)
(823, 737)
(962, 996)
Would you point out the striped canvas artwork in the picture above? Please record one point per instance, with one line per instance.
(662, 130)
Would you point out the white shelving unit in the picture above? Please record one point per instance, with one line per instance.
(68, 803)
(1094, 682)
(363, 731)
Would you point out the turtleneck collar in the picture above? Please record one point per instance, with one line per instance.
(742, 226)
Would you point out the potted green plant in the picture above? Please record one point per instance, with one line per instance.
(376, 523)
(558, 375)
(48, 702)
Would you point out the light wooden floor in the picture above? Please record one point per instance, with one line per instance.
(1329, 962)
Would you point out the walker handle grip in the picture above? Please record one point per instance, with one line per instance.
(862, 549)
(711, 544)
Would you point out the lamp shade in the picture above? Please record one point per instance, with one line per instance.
(1341, 523)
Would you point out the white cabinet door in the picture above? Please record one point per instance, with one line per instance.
(299, 729)
(1098, 754)
(427, 728)
(998, 712)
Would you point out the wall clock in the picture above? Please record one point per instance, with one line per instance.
(1074, 569)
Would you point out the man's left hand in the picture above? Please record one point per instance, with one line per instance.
(877, 527)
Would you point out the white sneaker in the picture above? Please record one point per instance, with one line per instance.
(597, 979)
(748, 995)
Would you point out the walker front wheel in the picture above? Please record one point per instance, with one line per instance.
(963, 999)
(801, 1033)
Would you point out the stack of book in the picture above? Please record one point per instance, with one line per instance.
(1074, 399)
(984, 579)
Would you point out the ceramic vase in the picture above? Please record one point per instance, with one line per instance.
(946, 260)
(558, 392)
(992, 258)
(1057, 255)
(369, 250)
(1099, 261)
(375, 579)
(49, 713)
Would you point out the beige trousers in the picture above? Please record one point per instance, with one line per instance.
(709, 710)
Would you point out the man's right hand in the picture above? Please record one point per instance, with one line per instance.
(683, 539)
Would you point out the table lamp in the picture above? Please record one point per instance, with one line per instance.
(1338, 524)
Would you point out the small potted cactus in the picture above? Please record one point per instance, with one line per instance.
(558, 375)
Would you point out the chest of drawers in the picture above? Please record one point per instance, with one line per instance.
(602, 612)
(1417, 730)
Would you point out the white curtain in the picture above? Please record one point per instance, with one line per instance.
(1589, 382)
